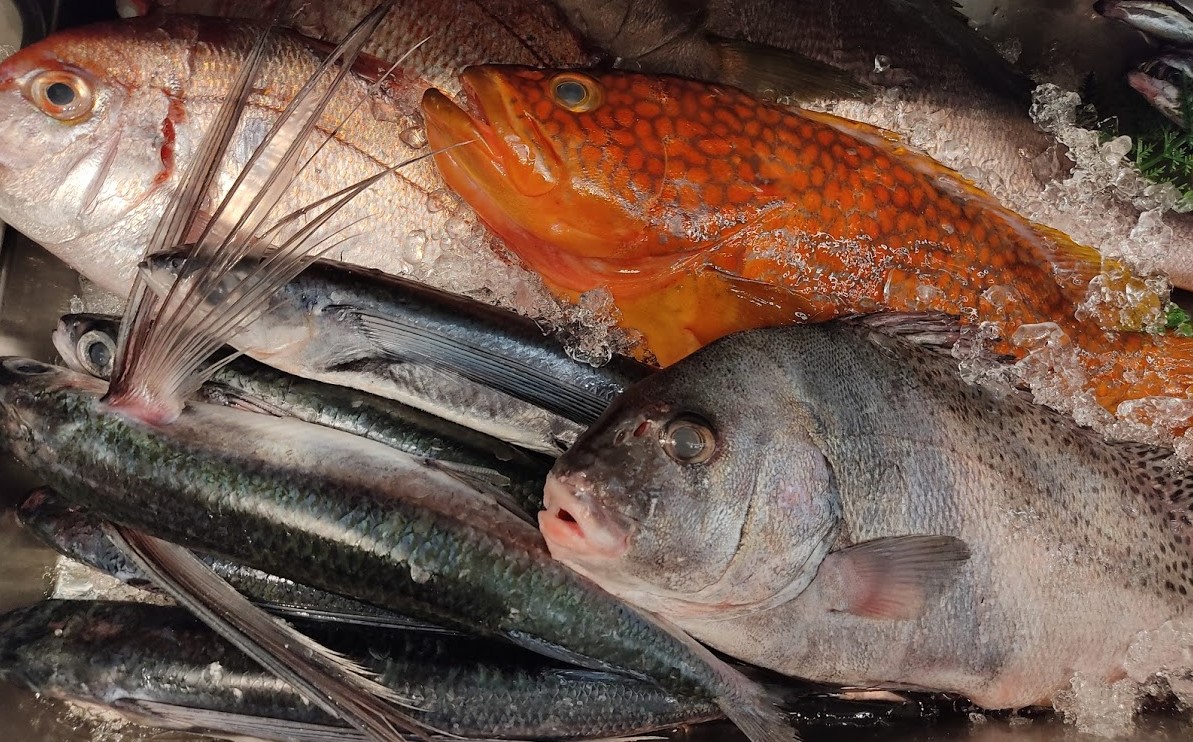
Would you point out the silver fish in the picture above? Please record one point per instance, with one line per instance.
(837, 504)
(466, 362)
(1170, 20)
(1165, 83)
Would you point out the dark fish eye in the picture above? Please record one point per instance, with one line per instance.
(27, 367)
(61, 94)
(689, 440)
(576, 93)
(96, 351)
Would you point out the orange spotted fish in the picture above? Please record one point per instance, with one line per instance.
(704, 211)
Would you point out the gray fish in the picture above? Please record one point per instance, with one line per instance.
(79, 535)
(1166, 82)
(1170, 20)
(129, 655)
(341, 513)
(456, 358)
(87, 343)
(834, 502)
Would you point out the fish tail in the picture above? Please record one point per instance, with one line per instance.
(754, 710)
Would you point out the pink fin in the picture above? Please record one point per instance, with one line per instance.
(894, 578)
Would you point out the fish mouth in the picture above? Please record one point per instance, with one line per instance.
(576, 529)
(494, 142)
(1162, 82)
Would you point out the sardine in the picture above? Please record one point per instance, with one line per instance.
(458, 359)
(90, 179)
(704, 211)
(834, 502)
(87, 343)
(77, 534)
(128, 655)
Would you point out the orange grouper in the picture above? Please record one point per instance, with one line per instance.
(705, 211)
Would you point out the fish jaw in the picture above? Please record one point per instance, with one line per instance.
(1162, 83)
(504, 165)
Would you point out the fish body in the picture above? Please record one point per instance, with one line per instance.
(126, 654)
(78, 535)
(90, 180)
(459, 359)
(86, 341)
(331, 510)
(704, 211)
(838, 504)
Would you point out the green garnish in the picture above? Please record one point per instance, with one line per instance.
(1177, 321)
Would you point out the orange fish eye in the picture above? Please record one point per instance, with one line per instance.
(576, 93)
(62, 95)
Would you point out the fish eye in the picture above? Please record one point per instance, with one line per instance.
(27, 367)
(62, 95)
(96, 351)
(689, 440)
(576, 93)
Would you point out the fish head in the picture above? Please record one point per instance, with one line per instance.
(87, 343)
(40, 402)
(87, 127)
(1167, 83)
(699, 493)
(599, 178)
(1170, 20)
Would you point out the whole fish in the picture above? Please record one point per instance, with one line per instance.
(1170, 20)
(101, 122)
(331, 510)
(456, 358)
(87, 343)
(79, 535)
(836, 503)
(129, 655)
(704, 211)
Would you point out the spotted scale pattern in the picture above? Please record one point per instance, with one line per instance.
(726, 213)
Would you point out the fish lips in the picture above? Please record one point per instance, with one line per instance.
(576, 528)
(490, 141)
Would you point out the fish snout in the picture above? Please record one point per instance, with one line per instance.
(575, 526)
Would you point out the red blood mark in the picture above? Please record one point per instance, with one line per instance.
(175, 113)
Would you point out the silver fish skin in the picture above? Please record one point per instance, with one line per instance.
(1170, 20)
(79, 535)
(124, 653)
(90, 181)
(331, 510)
(456, 358)
(87, 343)
(835, 503)
(1164, 82)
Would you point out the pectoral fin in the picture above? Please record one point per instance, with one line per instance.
(894, 578)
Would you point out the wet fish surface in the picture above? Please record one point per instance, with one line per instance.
(836, 503)
(128, 654)
(761, 215)
(456, 358)
(89, 179)
(87, 343)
